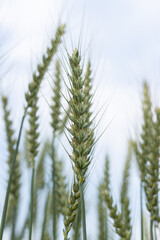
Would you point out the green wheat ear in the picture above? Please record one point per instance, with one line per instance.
(42, 68)
(153, 171)
(40, 170)
(14, 193)
(147, 130)
(60, 188)
(147, 153)
(15, 185)
(124, 188)
(82, 136)
(9, 130)
(102, 215)
(56, 99)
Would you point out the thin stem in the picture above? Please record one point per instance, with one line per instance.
(14, 222)
(77, 224)
(151, 229)
(155, 233)
(54, 195)
(23, 230)
(45, 218)
(141, 208)
(10, 178)
(83, 212)
(32, 199)
(105, 224)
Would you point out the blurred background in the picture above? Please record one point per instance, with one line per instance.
(122, 40)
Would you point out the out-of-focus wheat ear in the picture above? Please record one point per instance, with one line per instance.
(42, 68)
(124, 187)
(56, 99)
(145, 154)
(40, 177)
(33, 132)
(150, 153)
(119, 223)
(102, 215)
(27, 154)
(153, 170)
(147, 131)
(61, 188)
(15, 185)
(142, 178)
(9, 131)
(14, 157)
(47, 236)
(33, 149)
(15, 189)
(40, 169)
(59, 194)
(55, 116)
(152, 178)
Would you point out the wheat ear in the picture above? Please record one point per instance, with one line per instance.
(148, 155)
(82, 137)
(102, 215)
(14, 179)
(42, 68)
(124, 188)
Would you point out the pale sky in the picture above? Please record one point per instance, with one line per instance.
(122, 38)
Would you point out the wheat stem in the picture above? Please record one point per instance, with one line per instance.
(45, 218)
(32, 199)
(141, 208)
(83, 213)
(77, 225)
(14, 222)
(20, 236)
(10, 178)
(54, 193)
(151, 229)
